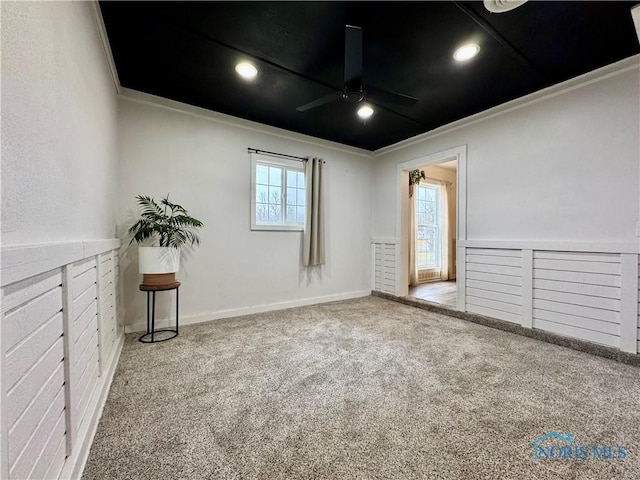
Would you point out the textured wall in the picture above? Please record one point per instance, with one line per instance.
(58, 125)
(205, 166)
(561, 169)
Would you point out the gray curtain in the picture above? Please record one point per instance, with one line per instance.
(313, 245)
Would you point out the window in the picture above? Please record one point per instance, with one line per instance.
(277, 194)
(428, 226)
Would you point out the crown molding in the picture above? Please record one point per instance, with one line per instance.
(176, 106)
(575, 83)
(106, 46)
(635, 14)
(210, 115)
(608, 71)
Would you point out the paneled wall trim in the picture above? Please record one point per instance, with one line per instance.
(60, 339)
(384, 252)
(588, 292)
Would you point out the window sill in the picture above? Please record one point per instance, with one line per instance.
(278, 228)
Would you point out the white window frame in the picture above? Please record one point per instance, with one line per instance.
(280, 162)
(438, 202)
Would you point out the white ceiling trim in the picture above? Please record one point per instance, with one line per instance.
(104, 39)
(635, 14)
(594, 76)
(211, 115)
(161, 102)
(589, 78)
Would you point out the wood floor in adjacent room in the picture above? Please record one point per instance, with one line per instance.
(444, 293)
(366, 388)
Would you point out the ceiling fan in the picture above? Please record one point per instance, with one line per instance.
(354, 90)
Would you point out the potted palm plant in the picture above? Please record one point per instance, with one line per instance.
(169, 227)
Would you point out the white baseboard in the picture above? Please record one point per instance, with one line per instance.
(141, 325)
(74, 465)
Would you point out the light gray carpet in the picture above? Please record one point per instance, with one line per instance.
(363, 388)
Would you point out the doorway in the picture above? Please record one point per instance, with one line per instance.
(442, 292)
(430, 227)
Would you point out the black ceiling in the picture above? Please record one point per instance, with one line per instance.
(188, 51)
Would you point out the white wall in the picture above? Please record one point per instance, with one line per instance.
(201, 159)
(58, 125)
(565, 168)
(552, 186)
(59, 171)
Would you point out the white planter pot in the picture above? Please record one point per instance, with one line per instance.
(158, 259)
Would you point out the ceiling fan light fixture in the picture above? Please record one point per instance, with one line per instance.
(466, 52)
(246, 70)
(365, 111)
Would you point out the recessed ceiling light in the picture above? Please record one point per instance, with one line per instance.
(466, 52)
(246, 70)
(365, 111)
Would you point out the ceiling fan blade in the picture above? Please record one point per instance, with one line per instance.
(352, 53)
(320, 101)
(385, 96)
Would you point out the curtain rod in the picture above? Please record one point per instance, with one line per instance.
(255, 150)
(439, 181)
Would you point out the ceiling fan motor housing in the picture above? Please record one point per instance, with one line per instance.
(353, 92)
(353, 89)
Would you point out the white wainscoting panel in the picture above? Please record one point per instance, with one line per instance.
(493, 283)
(33, 356)
(118, 293)
(578, 294)
(85, 333)
(107, 305)
(585, 291)
(384, 261)
(52, 323)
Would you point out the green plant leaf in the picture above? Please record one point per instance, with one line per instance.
(172, 229)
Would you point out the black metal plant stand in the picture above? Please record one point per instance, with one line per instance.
(151, 290)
